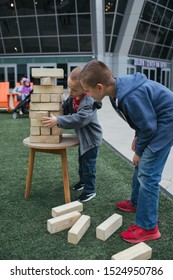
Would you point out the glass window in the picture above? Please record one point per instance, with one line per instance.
(117, 25)
(69, 44)
(25, 7)
(136, 48)
(10, 75)
(107, 41)
(9, 27)
(114, 39)
(152, 33)
(21, 71)
(163, 2)
(30, 45)
(83, 6)
(64, 80)
(108, 23)
(28, 26)
(167, 18)
(147, 49)
(7, 8)
(148, 11)
(84, 24)
(65, 6)
(1, 47)
(2, 74)
(159, 12)
(170, 4)
(49, 44)
(161, 35)
(164, 53)
(12, 46)
(170, 54)
(142, 30)
(45, 7)
(85, 44)
(47, 25)
(156, 51)
(169, 38)
(122, 6)
(67, 24)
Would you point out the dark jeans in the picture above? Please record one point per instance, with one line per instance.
(87, 170)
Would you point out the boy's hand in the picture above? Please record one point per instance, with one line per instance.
(136, 159)
(133, 145)
(49, 121)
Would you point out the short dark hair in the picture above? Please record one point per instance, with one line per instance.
(95, 72)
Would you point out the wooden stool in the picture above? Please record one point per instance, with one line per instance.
(68, 141)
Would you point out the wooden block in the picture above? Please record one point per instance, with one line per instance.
(53, 139)
(35, 130)
(108, 227)
(35, 97)
(48, 89)
(56, 130)
(48, 72)
(78, 229)
(32, 114)
(45, 106)
(45, 97)
(35, 122)
(62, 222)
(56, 114)
(66, 208)
(45, 131)
(41, 114)
(141, 251)
(56, 97)
(47, 81)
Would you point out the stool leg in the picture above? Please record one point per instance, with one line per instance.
(30, 171)
(65, 175)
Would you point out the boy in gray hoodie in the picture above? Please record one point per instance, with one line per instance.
(147, 106)
(80, 113)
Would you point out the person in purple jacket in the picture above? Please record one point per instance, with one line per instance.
(147, 106)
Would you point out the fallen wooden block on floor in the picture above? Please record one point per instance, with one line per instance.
(79, 229)
(108, 227)
(62, 222)
(66, 208)
(141, 251)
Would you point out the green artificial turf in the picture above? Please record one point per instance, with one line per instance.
(23, 227)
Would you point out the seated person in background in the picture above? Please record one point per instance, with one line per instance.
(18, 89)
(26, 88)
(80, 113)
(24, 91)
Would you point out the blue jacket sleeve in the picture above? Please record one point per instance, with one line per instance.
(143, 116)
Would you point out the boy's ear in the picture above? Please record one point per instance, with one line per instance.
(99, 86)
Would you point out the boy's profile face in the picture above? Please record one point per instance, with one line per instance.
(96, 92)
(74, 87)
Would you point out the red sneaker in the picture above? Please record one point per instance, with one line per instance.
(126, 206)
(135, 234)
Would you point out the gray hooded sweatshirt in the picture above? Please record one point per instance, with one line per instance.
(84, 121)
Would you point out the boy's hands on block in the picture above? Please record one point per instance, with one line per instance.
(49, 121)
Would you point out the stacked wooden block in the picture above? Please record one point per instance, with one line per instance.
(45, 100)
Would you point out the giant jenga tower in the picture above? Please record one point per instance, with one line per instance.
(45, 100)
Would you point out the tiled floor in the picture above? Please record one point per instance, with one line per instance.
(119, 135)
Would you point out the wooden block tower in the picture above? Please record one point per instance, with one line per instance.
(45, 100)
